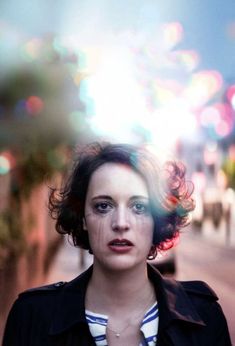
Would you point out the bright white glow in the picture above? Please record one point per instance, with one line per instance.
(119, 105)
(170, 123)
(118, 101)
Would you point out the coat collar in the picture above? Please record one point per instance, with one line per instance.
(171, 296)
(173, 301)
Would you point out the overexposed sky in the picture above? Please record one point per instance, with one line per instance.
(209, 25)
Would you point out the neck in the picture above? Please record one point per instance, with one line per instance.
(119, 289)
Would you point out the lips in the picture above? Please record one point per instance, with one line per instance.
(120, 245)
(120, 242)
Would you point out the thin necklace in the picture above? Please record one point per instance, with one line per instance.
(118, 334)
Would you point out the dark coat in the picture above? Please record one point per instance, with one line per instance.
(55, 315)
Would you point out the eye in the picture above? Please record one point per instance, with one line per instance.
(140, 208)
(102, 207)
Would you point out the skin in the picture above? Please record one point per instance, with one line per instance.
(116, 207)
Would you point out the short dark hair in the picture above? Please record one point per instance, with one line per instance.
(169, 192)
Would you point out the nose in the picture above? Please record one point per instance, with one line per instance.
(120, 220)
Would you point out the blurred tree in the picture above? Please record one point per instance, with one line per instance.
(38, 101)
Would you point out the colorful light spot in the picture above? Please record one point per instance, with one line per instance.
(223, 129)
(4, 165)
(203, 86)
(231, 95)
(221, 179)
(33, 47)
(231, 152)
(172, 34)
(34, 105)
(189, 59)
(210, 153)
(209, 115)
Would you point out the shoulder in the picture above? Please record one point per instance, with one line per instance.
(52, 288)
(31, 314)
(199, 289)
(205, 301)
(201, 296)
(46, 292)
(37, 299)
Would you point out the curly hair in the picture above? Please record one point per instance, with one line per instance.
(169, 192)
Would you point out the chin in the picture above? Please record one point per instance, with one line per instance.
(121, 264)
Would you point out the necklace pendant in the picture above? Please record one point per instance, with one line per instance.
(117, 335)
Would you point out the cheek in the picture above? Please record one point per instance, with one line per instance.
(144, 227)
(97, 230)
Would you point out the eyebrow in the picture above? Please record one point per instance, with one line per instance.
(107, 197)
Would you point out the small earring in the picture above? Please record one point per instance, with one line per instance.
(152, 253)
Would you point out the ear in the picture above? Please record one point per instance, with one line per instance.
(84, 224)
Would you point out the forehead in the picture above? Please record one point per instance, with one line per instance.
(116, 177)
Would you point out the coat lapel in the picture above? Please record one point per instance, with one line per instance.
(175, 310)
(70, 306)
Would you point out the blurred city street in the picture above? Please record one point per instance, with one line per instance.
(197, 259)
(159, 75)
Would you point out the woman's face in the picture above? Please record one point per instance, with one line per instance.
(118, 218)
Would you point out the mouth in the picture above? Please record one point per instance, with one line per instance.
(120, 242)
(120, 245)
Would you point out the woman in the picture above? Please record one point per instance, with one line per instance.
(122, 206)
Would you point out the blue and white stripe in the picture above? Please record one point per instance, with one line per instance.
(149, 327)
(97, 325)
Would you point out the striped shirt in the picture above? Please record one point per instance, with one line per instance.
(149, 327)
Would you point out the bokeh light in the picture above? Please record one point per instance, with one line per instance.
(188, 58)
(202, 87)
(209, 116)
(4, 165)
(231, 95)
(231, 152)
(32, 48)
(34, 105)
(210, 153)
(218, 119)
(172, 34)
